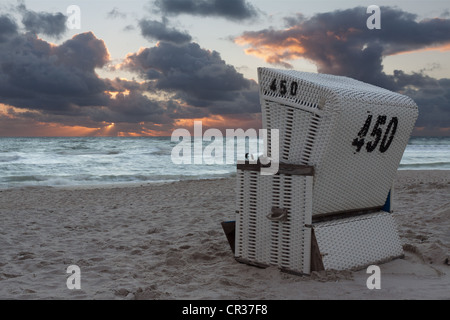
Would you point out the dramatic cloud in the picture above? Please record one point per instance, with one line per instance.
(115, 13)
(340, 43)
(58, 87)
(43, 83)
(58, 83)
(156, 30)
(197, 76)
(35, 74)
(431, 95)
(8, 28)
(229, 9)
(132, 108)
(42, 22)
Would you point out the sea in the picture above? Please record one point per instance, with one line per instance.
(90, 161)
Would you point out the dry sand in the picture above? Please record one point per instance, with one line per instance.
(165, 241)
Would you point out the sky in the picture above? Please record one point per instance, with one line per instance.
(148, 67)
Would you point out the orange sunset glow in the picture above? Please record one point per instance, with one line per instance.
(440, 48)
(289, 49)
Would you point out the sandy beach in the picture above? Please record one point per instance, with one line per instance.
(165, 241)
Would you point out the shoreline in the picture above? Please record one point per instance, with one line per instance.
(437, 174)
(110, 185)
(165, 241)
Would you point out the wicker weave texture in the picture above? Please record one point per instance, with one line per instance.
(247, 193)
(355, 243)
(353, 133)
(260, 240)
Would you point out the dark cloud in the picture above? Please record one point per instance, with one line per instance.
(129, 27)
(197, 76)
(115, 13)
(50, 24)
(431, 95)
(131, 108)
(37, 75)
(445, 14)
(229, 9)
(294, 20)
(8, 27)
(156, 30)
(340, 43)
(74, 119)
(83, 52)
(59, 82)
(51, 83)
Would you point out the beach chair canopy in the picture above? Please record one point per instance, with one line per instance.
(353, 133)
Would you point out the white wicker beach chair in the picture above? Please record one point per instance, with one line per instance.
(353, 135)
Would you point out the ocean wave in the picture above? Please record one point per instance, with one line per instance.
(9, 158)
(98, 161)
(87, 153)
(161, 152)
(94, 180)
(80, 147)
(429, 141)
(426, 165)
(25, 178)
